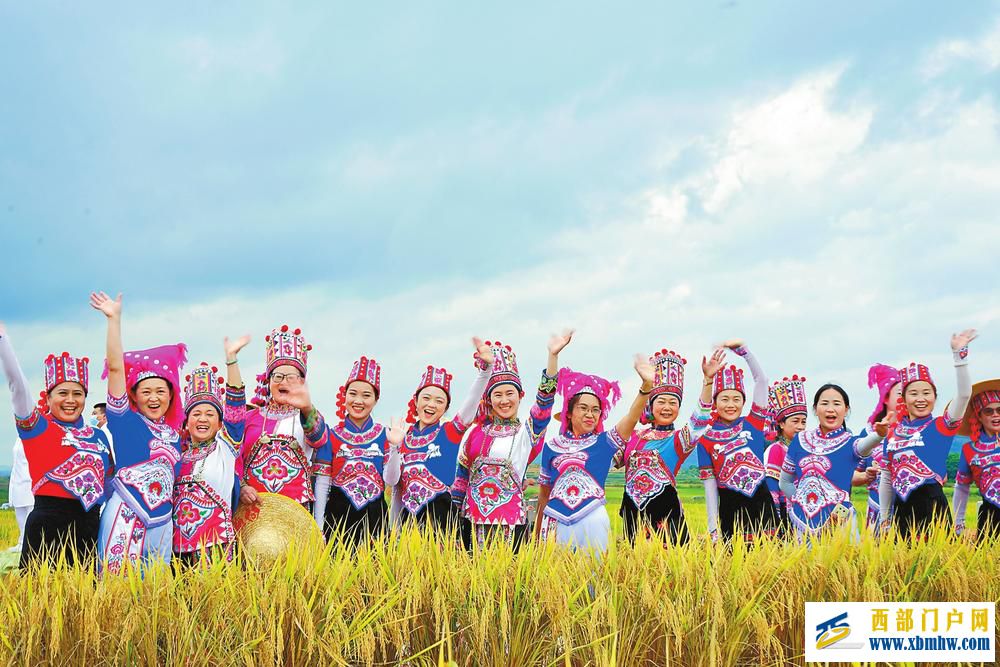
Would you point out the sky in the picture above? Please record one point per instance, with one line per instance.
(822, 181)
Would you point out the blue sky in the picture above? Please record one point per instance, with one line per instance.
(821, 180)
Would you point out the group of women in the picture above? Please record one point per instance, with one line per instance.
(187, 452)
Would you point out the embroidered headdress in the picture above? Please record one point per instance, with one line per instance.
(282, 347)
(432, 377)
(728, 377)
(64, 368)
(504, 372)
(363, 370)
(163, 362)
(785, 398)
(884, 378)
(573, 384)
(203, 386)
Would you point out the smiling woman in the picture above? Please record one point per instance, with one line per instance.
(207, 488)
(653, 457)
(916, 450)
(144, 417)
(285, 430)
(429, 450)
(68, 461)
(358, 461)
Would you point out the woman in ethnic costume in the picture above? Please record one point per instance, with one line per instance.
(144, 416)
(819, 466)
(731, 455)
(916, 451)
(489, 477)
(886, 380)
(787, 411)
(980, 460)
(208, 489)
(430, 449)
(576, 462)
(652, 458)
(358, 462)
(285, 430)
(68, 460)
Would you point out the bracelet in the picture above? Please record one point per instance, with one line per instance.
(233, 362)
(645, 393)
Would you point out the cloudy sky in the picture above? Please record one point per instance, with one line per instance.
(821, 181)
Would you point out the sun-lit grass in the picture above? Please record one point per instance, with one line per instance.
(412, 601)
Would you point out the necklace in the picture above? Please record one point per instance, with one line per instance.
(279, 414)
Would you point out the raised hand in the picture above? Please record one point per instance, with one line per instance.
(713, 364)
(396, 432)
(298, 396)
(233, 347)
(3, 329)
(557, 343)
(102, 302)
(960, 340)
(732, 343)
(645, 369)
(485, 351)
(883, 427)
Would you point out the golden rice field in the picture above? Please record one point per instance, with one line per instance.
(414, 602)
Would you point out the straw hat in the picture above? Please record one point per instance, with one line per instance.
(274, 526)
(970, 415)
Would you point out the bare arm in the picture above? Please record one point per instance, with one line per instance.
(627, 424)
(233, 376)
(112, 309)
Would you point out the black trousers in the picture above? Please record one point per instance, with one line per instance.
(354, 525)
(989, 522)
(440, 513)
(662, 514)
(753, 515)
(60, 525)
(926, 505)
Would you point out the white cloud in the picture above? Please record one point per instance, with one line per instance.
(825, 250)
(795, 137)
(984, 52)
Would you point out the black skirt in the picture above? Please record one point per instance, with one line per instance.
(440, 513)
(989, 522)
(926, 505)
(352, 524)
(662, 514)
(752, 516)
(60, 525)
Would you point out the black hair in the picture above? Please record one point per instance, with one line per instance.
(187, 412)
(170, 386)
(576, 399)
(48, 394)
(837, 388)
(102, 406)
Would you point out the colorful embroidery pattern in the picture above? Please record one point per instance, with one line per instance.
(82, 474)
(278, 465)
(495, 494)
(646, 477)
(419, 488)
(126, 541)
(153, 480)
